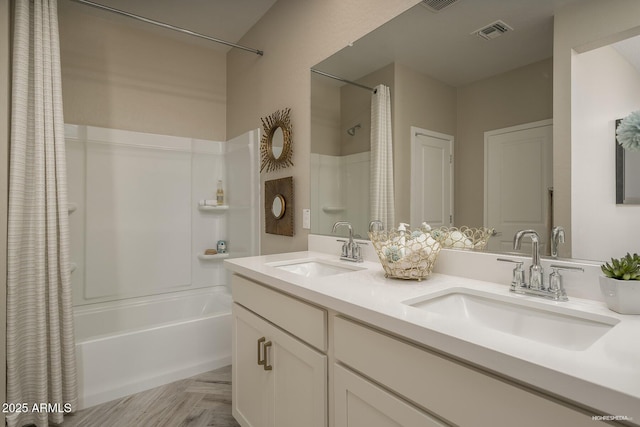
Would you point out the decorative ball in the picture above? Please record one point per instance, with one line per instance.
(628, 132)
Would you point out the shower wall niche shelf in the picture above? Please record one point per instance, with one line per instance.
(213, 208)
(204, 257)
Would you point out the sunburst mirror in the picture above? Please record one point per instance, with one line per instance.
(276, 146)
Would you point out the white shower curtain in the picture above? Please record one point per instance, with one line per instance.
(381, 188)
(40, 342)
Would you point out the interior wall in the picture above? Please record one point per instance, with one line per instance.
(5, 66)
(423, 102)
(579, 27)
(123, 74)
(516, 97)
(295, 35)
(355, 108)
(325, 116)
(593, 156)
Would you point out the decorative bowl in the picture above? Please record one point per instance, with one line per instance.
(406, 254)
(463, 237)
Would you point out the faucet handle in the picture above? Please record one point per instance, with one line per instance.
(555, 280)
(518, 273)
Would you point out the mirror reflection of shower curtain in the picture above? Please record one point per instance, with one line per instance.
(381, 189)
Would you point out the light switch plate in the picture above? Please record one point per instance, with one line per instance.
(306, 219)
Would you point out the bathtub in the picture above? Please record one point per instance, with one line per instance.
(123, 347)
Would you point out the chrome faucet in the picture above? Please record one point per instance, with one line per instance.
(535, 271)
(557, 236)
(536, 287)
(350, 249)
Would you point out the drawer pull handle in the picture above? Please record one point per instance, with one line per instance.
(267, 367)
(260, 360)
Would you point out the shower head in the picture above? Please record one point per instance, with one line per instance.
(352, 130)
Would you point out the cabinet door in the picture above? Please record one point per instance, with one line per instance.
(250, 382)
(360, 403)
(289, 390)
(299, 382)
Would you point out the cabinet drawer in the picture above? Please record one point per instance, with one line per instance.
(457, 393)
(305, 321)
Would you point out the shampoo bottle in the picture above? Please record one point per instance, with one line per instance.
(220, 194)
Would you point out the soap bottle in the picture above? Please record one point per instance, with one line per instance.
(220, 194)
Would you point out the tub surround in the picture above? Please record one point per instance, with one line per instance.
(604, 377)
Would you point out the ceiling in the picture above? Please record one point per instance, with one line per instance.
(440, 45)
(228, 20)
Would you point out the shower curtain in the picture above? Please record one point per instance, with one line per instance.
(381, 188)
(40, 341)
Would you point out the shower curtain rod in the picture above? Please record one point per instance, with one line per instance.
(167, 26)
(331, 76)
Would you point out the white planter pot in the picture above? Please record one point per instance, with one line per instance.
(621, 296)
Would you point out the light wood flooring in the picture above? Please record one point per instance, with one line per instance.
(203, 400)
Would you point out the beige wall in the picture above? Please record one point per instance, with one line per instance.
(580, 27)
(516, 97)
(325, 116)
(295, 35)
(423, 102)
(355, 105)
(123, 74)
(4, 162)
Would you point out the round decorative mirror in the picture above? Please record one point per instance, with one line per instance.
(276, 144)
(278, 207)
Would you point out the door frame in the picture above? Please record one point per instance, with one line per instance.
(414, 141)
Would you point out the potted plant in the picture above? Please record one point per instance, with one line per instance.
(620, 284)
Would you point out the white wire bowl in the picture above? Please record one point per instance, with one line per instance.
(463, 237)
(408, 255)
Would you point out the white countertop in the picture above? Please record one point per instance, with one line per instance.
(605, 376)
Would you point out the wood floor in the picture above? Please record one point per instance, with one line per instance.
(203, 400)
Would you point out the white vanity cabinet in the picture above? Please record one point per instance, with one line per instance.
(458, 393)
(279, 379)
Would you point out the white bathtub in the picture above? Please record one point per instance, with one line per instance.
(124, 347)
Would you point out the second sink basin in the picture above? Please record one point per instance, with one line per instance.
(315, 268)
(555, 325)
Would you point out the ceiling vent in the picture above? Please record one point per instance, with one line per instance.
(436, 6)
(493, 30)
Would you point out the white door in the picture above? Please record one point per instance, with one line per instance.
(517, 184)
(431, 178)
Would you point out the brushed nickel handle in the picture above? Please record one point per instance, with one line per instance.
(261, 361)
(267, 367)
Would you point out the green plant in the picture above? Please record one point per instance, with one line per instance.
(625, 268)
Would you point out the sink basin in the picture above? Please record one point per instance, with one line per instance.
(315, 268)
(554, 325)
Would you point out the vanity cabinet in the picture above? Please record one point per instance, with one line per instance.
(457, 393)
(279, 379)
(290, 358)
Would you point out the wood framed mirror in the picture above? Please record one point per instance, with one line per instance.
(278, 206)
(276, 147)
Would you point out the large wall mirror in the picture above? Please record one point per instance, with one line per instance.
(491, 94)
